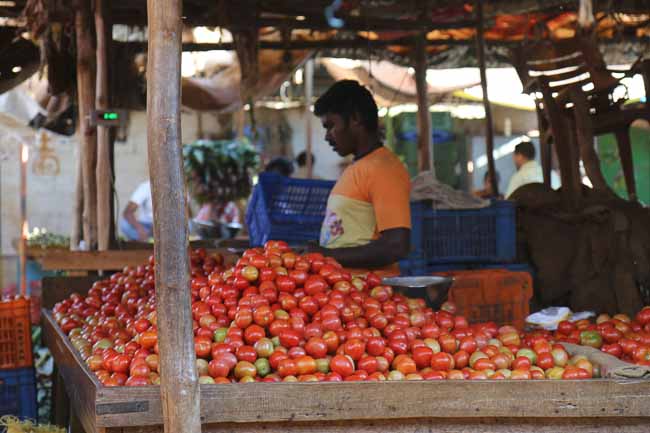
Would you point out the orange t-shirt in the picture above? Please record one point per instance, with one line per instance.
(371, 196)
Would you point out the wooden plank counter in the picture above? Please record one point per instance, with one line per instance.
(61, 259)
(423, 406)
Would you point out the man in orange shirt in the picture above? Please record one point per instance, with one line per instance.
(368, 222)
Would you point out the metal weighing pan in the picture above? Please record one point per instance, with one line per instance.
(433, 289)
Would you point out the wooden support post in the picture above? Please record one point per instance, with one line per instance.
(425, 140)
(78, 207)
(309, 92)
(103, 170)
(179, 383)
(489, 131)
(24, 158)
(87, 133)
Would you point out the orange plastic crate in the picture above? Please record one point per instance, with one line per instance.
(496, 295)
(15, 334)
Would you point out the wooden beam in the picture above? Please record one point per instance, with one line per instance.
(87, 133)
(425, 140)
(103, 170)
(309, 93)
(332, 44)
(489, 131)
(81, 384)
(179, 381)
(110, 260)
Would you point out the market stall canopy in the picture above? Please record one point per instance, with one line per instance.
(384, 27)
(221, 91)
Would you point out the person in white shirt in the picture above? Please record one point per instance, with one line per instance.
(528, 170)
(136, 222)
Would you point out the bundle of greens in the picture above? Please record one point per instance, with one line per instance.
(219, 171)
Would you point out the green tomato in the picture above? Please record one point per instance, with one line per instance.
(220, 334)
(263, 367)
(528, 353)
(591, 339)
(323, 365)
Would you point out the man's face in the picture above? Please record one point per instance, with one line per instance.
(339, 134)
(519, 160)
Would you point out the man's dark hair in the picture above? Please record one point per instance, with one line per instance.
(301, 159)
(526, 149)
(348, 97)
(280, 165)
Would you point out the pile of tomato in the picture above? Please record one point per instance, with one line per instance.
(279, 316)
(621, 336)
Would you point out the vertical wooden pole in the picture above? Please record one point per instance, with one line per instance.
(309, 92)
(489, 131)
(425, 140)
(103, 171)
(87, 133)
(24, 157)
(179, 383)
(78, 207)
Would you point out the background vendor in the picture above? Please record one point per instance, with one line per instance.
(368, 222)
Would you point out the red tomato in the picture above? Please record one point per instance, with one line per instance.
(315, 284)
(614, 349)
(254, 333)
(316, 347)
(422, 356)
(305, 365)
(545, 360)
(289, 338)
(468, 344)
(643, 316)
(331, 340)
(355, 348)
(285, 284)
(287, 367)
(369, 364)
(448, 343)
(342, 365)
(221, 365)
(442, 361)
(565, 327)
(461, 359)
(246, 353)
(375, 346)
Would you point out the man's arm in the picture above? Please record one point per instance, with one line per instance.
(391, 246)
(129, 216)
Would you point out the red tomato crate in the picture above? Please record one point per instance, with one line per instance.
(15, 334)
(492, 295)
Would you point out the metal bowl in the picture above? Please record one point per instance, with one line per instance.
(433, 289)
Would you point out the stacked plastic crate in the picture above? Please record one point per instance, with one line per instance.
(17, 379)
(478, 247)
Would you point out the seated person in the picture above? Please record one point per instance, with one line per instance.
(136, 222)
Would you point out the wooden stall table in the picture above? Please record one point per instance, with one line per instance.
(599, 405)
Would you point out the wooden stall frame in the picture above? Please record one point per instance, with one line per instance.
(596, 401)
(179, 386)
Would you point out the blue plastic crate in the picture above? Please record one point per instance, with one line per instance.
(286, 209)
(18, 393)
(485, 235)
(417, 267)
